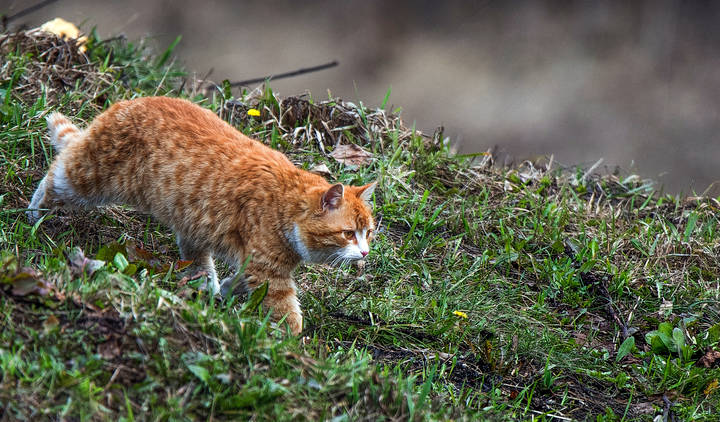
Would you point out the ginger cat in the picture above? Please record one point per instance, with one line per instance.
(223, 194)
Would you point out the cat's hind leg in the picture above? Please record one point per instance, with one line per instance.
(54, 190)
(202, 259)
(38, 201)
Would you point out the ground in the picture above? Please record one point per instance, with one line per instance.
(531, 292)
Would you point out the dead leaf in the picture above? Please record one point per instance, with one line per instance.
(710, 358)
(28, 281)
(80, 264)
(141, 256)
(351, 154)
(179, 265)
(321, 170)
(136, 253)
(580, 338)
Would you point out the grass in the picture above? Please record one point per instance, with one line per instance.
(531, 292)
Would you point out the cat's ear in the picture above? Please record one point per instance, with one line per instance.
(333, 197)
(365, 192)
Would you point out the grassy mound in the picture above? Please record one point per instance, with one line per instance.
(493, 293)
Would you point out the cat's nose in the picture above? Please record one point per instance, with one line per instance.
(364, 253)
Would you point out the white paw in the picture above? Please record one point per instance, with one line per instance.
(211, 286)
(33, 216)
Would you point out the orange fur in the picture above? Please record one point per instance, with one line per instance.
(223, 194)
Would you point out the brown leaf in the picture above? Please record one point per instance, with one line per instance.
(139, 255)
(182, 264)
(580, 338)
(177, 266)
(710, 359)
(136, 253)
(351, 154)
(28, 281)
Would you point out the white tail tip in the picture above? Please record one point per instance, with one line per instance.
(61, 130)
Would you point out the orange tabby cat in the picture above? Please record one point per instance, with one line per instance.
(222, 193)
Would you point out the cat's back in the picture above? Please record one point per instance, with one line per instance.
(160, 117)
(157, 147)
(174, 128)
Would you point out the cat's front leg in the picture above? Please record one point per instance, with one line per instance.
(285, 303)
(281, 299)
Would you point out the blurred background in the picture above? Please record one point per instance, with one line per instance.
(636, 83)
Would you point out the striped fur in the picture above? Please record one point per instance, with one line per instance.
(62, 131)
(223, 194)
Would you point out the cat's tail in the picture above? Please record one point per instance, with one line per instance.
(62, 131)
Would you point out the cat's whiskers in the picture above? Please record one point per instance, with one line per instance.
(335, 257)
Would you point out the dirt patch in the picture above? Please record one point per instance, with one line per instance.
(113, 341)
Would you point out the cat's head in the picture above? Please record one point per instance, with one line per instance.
(339, 226)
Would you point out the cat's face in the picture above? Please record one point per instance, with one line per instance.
(340, 227)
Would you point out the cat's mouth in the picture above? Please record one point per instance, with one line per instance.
(343, 256)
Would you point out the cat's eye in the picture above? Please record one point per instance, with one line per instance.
(370, 233)
(349, 234)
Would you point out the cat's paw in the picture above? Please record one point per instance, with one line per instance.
(33, 216)
(211, 285)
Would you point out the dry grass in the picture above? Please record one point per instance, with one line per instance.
(54, 69)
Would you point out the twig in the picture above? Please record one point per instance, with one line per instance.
(197, 85)
(116, 38)
(571, 253)
(667, 411)
(25, 11)
(611, 310)
(337, 305)
(287, 74)
(590, 170)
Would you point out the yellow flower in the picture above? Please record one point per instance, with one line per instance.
(253, 112)
(461, 314)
